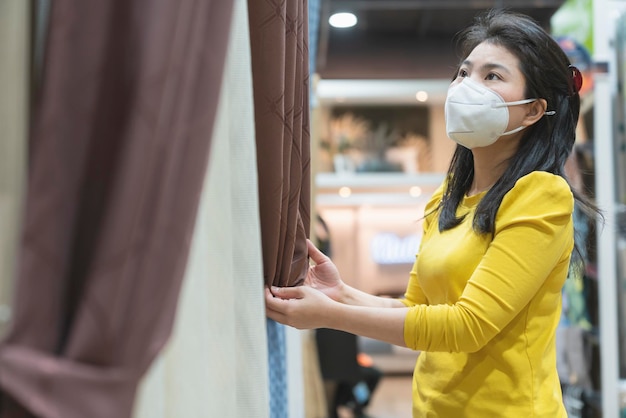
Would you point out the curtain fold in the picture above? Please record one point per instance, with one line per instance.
(280, 70)
(215, 364)
(280, 73)
(119, 147)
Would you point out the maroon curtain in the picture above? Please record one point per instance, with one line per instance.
(280, 71)
(120, 144)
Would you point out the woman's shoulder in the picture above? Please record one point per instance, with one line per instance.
(540, 188)
(542, 181)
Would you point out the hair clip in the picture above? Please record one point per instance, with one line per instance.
(577, 78)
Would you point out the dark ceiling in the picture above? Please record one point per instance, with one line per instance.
(405, 39)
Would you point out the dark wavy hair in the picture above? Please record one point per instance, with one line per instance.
(546, 144)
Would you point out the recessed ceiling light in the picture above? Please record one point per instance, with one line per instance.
(342, 20)
(421, 96)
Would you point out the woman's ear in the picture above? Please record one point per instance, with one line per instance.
(536, 110)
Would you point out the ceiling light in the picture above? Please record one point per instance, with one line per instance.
(342, 20)
(415, 191)
(421, 96)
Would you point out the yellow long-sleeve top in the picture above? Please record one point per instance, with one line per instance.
(484, 310)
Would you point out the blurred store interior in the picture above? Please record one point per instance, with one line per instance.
(378, 123)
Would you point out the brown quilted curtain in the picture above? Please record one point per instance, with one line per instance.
(120, 142)
(280, 71)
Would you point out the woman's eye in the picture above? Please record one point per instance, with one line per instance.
(462, 73)
(492, 76)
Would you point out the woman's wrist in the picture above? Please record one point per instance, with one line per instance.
(340, 292)
(348, 295)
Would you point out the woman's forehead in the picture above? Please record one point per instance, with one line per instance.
(489, 53)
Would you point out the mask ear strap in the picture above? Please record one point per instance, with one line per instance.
(518, 102)
(512, 131)
(550, 113)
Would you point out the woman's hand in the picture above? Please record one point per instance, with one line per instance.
(300, 307)
(324, 275)
(306, 308)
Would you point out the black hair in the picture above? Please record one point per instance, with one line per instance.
(546, 144)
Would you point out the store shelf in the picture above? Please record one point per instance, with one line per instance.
(370, 180)
(359, 189)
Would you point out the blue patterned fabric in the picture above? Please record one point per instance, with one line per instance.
(315, 7)
(277, 353)
(314, 26)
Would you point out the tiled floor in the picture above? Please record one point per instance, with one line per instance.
(392, 398)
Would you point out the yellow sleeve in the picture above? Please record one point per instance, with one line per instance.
(534, 233)
(414, 294)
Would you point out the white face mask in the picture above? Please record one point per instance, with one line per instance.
(477, 116)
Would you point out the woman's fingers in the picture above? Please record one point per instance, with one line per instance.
(300, 307)
(316, 255)
(279, 303)
(274, 307)
(277, 298)
(287, 292)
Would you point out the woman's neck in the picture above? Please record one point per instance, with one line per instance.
(488, 168)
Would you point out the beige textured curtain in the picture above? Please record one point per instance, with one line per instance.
(215, 365)
(14, 113)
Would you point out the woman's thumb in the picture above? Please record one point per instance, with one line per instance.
(286, 292)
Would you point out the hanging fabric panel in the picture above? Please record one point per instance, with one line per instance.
(119, 148)
(280, 71)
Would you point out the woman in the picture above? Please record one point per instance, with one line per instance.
(484, 295)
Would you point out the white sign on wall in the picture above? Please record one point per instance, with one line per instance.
(389, 248)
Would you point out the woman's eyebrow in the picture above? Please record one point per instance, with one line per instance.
(486, 67)
(494, 66)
